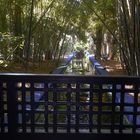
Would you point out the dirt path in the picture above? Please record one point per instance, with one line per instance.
(113, 67)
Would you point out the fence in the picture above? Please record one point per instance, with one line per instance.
(71, 107)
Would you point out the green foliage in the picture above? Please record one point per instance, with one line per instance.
(52, 22)
(80, 46)
(106, 10)
(8, 44)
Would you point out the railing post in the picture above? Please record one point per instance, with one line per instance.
(12, 108)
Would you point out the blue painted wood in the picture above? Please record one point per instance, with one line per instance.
(63, 66)
(60, 70)
(69, 136)
(130, 100)
(104, 84)
(116, 85)
(99, 69)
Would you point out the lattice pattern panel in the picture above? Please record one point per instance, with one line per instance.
(66, 104)
(3, 107)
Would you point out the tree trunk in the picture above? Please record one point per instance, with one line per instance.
(18, 31)
(98, 42)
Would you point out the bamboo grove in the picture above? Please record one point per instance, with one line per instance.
(32, 31)
(128, 14)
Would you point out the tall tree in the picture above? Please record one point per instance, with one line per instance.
(129, 29)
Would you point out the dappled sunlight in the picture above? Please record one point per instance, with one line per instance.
(3, 64)
(1, 61)
(113, 67)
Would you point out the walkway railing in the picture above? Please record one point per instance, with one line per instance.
(71, 105)
(99, 69)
